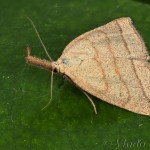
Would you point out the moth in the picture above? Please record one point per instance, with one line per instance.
(109, 62)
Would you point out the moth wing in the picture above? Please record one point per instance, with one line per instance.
(110, 62)
(118, 36)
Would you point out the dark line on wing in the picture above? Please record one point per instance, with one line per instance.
(132, 63)
(139, 37)
(97, 53)
(115, 64)
(104, 74)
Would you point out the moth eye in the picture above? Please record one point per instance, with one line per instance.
(65, 61)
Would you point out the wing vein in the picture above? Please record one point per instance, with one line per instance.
(132, 63)
(116, 66)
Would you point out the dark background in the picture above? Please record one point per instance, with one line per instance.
(69, 122)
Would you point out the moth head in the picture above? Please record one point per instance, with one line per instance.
(55, 67)
(69, 62)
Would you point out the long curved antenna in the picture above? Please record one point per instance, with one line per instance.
(40, 39)
(51, 91)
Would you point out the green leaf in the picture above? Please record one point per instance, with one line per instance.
(69, 123)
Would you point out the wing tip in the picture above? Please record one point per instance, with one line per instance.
(125, 19)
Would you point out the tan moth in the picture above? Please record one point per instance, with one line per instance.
(109, 62)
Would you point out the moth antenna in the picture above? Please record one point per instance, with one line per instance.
(51, 91)
(38, 35)
(90, 101)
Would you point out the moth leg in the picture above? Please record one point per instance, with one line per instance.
(67, 78)
(90, 101)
